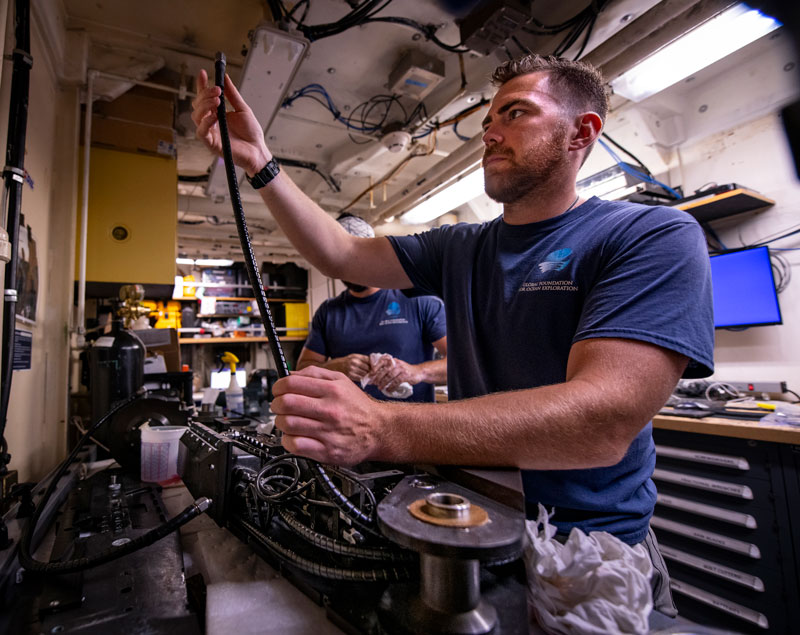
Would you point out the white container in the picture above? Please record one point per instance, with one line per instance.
(162, 454)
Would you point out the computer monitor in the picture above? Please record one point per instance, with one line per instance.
(744, 289)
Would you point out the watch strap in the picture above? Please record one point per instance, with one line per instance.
(267, 173)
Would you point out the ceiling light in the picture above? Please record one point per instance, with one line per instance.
(184, 261)
(445, 199)
(269, 69)
(213, 262)
(711, 41)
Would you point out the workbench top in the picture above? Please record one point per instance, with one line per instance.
(741, 429)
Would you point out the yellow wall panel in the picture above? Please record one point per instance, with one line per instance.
(133, 213)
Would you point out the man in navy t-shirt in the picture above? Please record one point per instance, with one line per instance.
(364, 320)
(570, 320)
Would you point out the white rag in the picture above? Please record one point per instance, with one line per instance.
(403, 391)
(591, 584)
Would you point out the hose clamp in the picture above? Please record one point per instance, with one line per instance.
(10, 295)
(16, 174)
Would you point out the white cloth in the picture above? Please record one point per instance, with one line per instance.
(404, 390)
(591, 584)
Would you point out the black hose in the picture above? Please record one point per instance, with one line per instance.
(13, 175)
(339, 547)
(241, 225)
(145, 540)
(361, 520)
(389, 574)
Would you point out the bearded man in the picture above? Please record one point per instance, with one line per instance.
(570, 320)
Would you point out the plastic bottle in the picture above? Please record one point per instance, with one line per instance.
(234, 395)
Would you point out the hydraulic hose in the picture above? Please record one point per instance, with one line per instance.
(397, 573)
(13, 176)
(339, 547)
(361, 520)
(253, 273)
(79, 564)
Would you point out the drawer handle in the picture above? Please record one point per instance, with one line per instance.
(708, 484)
(732, 608)
(708, 537)
(708, 458)
(721, 571)
(709, 511)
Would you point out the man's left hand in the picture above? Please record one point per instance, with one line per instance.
(326, 417)
(390, 372)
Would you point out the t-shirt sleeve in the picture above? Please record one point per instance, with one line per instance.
(316, 335)
(434, 326)
(420, 256)
(656, 287)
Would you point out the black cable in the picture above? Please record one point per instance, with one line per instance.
(428, 30)
(629, 153)
(586, 38)
(307, 165)
(792, 392)
(13, 177)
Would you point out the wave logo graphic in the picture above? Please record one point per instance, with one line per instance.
(393, 309)
(556, 260)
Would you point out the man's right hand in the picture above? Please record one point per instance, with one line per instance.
(355, 366)
(247, 137)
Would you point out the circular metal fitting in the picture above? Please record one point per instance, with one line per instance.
(448, 510)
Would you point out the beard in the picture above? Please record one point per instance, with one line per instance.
(358, 288)
(534, 168)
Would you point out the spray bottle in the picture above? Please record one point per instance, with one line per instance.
(234, 395)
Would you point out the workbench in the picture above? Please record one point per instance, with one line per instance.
(728, 520)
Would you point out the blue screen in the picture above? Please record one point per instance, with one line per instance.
(744, 289)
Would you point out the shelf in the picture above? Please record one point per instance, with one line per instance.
(230, 299)
(234, 340)
(719, 204)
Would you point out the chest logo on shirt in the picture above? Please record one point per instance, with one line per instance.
(556, 260)
(393, 311)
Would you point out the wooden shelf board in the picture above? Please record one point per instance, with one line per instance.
(235, 340)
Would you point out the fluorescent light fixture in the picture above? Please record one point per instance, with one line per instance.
(184, 261)
(213, 262)
(711, 41)
(269, 69)
(445, 199)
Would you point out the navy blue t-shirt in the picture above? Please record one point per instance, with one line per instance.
(384, 322)
(519, 296)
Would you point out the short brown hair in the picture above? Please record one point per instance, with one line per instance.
(580, 84)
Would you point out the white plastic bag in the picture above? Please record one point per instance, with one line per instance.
(404, 390)
(591, 584)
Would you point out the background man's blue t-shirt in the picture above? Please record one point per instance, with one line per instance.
(519, 296)
(384, 322)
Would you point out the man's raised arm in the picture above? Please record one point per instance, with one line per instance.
(317, 236)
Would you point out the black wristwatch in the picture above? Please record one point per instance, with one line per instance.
(268, 172)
